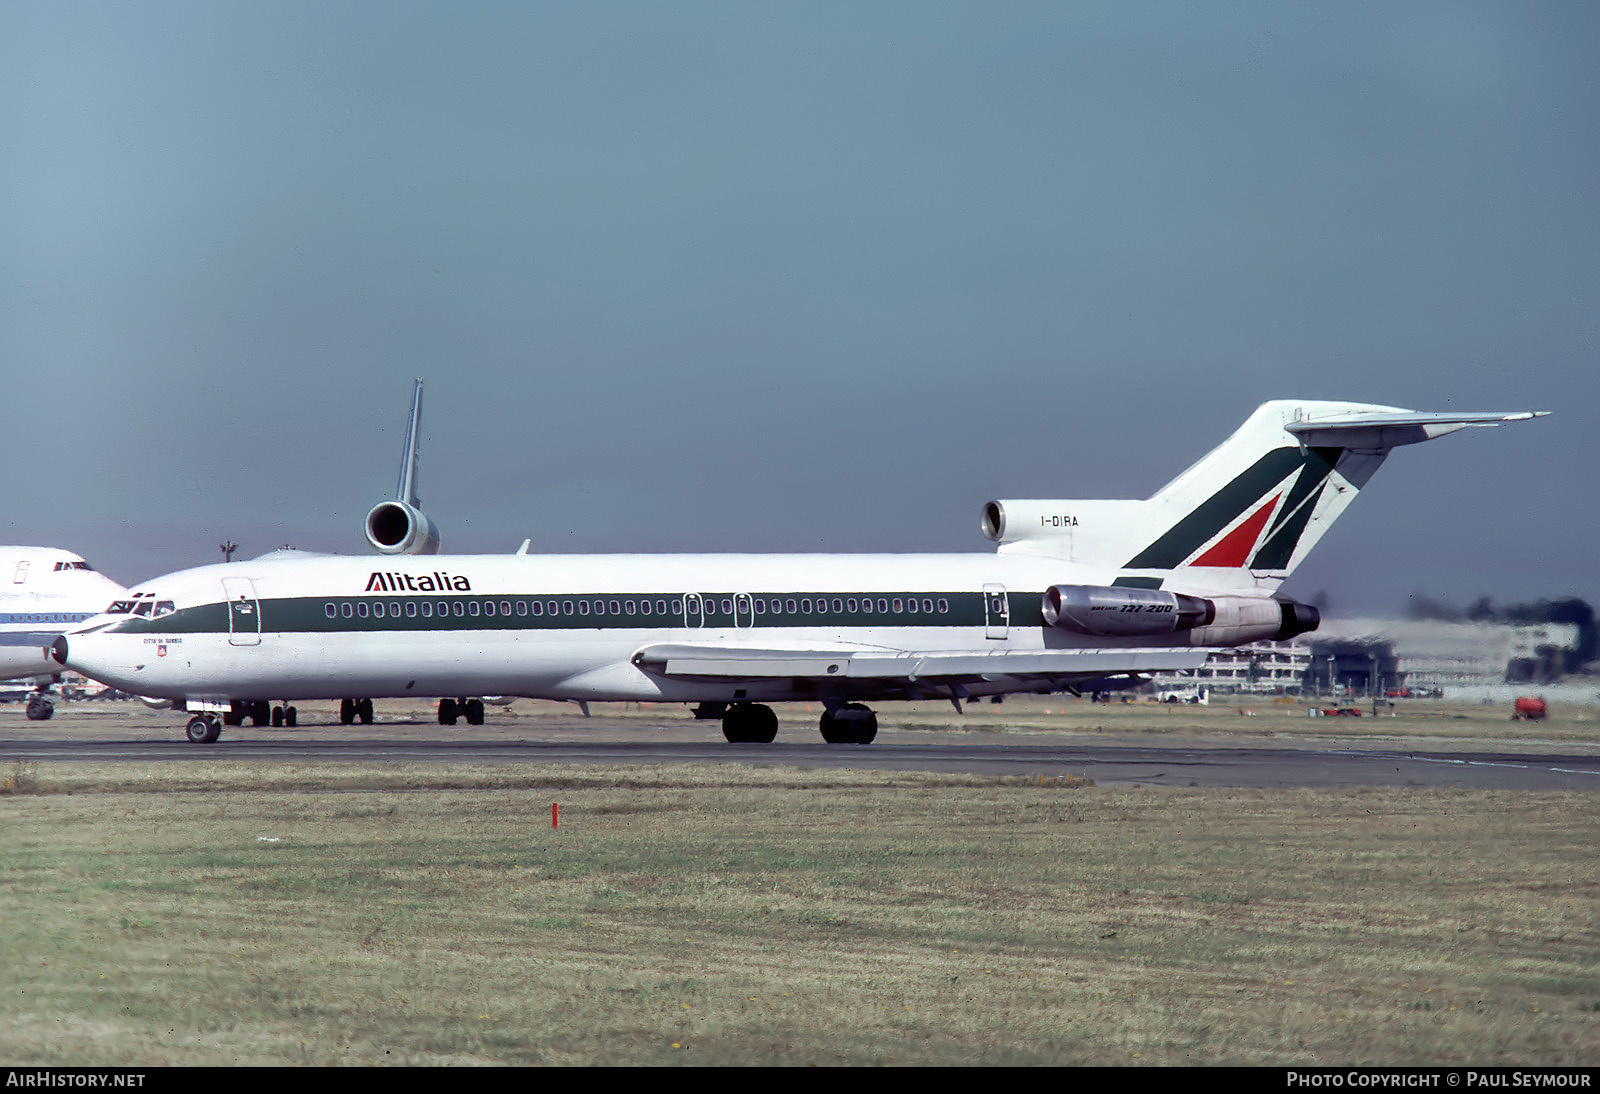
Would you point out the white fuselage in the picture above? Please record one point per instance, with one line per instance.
(44, 591)
(570, 627)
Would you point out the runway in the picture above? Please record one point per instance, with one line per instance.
(1177, 760)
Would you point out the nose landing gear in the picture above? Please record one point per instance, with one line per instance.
(203, 729)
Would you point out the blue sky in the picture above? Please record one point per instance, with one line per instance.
(813, 276)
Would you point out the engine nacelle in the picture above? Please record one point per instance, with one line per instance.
(1106, 610)
(1114, 611)
(395, 528)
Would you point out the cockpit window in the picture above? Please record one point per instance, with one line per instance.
(78, 565)
(164, 607)
(120, 607)
(142, 607)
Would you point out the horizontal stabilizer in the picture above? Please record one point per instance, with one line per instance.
(1375, 431)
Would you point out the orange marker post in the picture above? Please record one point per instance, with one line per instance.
(555, 814)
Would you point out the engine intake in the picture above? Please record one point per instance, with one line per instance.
(395, 528)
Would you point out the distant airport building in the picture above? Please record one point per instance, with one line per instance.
(1375, 657)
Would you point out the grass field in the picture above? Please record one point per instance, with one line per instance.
(214, 913)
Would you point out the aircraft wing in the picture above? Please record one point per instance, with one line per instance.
(906, 667)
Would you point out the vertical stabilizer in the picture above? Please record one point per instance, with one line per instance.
(1244, 515)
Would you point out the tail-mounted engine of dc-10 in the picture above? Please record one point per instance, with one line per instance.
(1115, 612)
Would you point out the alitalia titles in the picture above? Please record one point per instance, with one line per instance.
(413, 583)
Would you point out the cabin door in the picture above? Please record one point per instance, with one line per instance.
(996, 612)
(244, 611)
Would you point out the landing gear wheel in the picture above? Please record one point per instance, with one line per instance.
(474, 712)
(347, 711)
(260, 713)
(277, 717)
(447, 712)
(291, 716)
(750, 723)
(233, 717)
(40, 709)
(202, 730)
(851, 724)
(364, 711)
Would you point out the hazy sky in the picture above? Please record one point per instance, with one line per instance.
(791, 276)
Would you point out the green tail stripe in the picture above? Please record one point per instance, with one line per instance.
(1276, 552)
(1217, 512)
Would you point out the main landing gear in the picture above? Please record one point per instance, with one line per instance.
(749, 723)
(351, 709)
(260, 712)
(850, 724)
(754, 723)
(470, 709)
(40, 707)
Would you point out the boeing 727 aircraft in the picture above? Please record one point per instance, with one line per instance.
(1076, 591)
(43, 590)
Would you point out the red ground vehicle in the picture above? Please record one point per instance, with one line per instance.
(1529, 708)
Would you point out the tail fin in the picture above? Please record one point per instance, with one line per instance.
(400, 527)
(1242, 517)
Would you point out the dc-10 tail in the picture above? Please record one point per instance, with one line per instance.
(1244, 515)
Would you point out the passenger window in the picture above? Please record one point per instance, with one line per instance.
(411, 609)
(330, 610)
(377, 610)
(472, 608)
(927, 605)
(459, 608)
(488, 608)
(361, 608)
(838, 605)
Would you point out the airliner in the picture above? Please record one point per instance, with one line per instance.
(1075, 591)
(42, 591)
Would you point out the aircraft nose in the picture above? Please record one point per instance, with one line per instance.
(58, 649)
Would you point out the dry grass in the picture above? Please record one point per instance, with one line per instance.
(214, 913)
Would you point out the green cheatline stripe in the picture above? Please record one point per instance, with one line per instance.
(310, 614)
(1217, 512)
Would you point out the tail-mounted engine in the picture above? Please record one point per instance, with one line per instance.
(1108, 611)
(395, 528)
